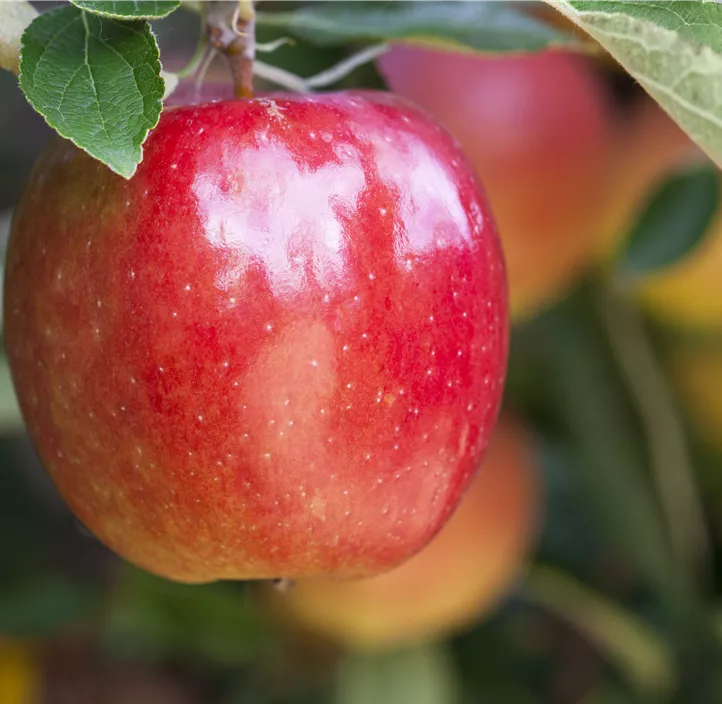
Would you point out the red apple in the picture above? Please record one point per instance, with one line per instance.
(538, 128)
(277, 351)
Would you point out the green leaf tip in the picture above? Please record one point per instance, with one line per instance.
(96, 81)
(673, 221)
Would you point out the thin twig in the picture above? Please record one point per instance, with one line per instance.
(210, 56)
(199, 54)
(268, 47)
(671, 466)
(345, 67)
(291, 81)
(280, 77)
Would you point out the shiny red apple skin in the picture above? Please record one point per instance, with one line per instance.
(277, 351)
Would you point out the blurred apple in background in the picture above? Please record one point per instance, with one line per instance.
(539, 130)
(460, 576)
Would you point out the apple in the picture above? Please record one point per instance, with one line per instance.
(277, 351)
(538, 128)
(456, 579)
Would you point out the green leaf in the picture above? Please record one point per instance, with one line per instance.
(417, 675)
(673, 222)
(129, 9)
(96, 81)
(470, 26)
(619, 635)
(674, 49)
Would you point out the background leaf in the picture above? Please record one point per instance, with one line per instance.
(129, 9)
(673, 222)
(471, 26)
(153, 617)
(591, 404)
(39, 607)
(624, 639)
(96, 81)
(674, 49)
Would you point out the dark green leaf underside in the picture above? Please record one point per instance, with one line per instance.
(673, 222)
(129, 9)
(96, 81)
(471, 26)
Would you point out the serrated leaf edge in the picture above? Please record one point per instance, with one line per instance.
(126, 18)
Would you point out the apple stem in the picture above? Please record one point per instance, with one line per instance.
(231, 30)
(283, 584)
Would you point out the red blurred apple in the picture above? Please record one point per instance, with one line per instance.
(277, 351)
(538, 129)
